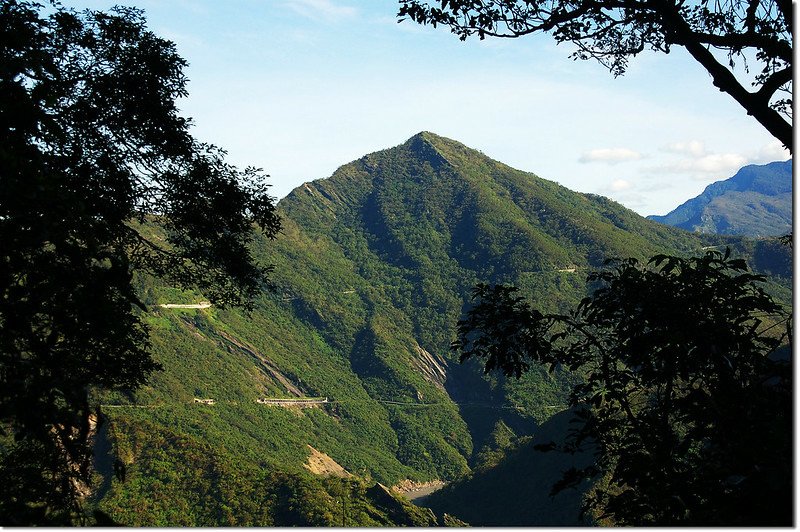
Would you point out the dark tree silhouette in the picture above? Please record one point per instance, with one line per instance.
(685, 404)
(93, 154)
(753, 33)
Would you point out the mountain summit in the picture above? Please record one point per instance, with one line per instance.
(348, 360)
(436, 198)
(757, 201)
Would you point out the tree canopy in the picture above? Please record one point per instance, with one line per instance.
(93, 151)
(684, 400)
(755, 34)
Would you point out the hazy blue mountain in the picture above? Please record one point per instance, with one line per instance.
(757, 201)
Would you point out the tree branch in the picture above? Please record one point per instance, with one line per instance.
(773, 83)
(723, 78)
(772, 46)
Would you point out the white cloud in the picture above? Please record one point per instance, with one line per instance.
(693, 148)
(619, 185)
(701, 164)
(774, 151)
(326, 10)
(711, 167)
(609, 155)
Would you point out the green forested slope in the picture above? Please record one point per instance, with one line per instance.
(372, 271)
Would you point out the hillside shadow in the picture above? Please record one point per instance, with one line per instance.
(517, 491)
(481, 406)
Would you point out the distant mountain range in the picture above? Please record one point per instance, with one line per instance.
(373, 269)
(757, 201)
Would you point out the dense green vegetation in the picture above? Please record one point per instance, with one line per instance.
(686, 401)
(91, 140)
(185, 481)
(373, 269)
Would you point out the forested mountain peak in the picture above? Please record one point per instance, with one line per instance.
(425, 144)
(482, 213)
(425, 158)
(372, 270)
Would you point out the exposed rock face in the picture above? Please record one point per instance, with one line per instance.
(433, 368)
(264, 362)
(320, 463)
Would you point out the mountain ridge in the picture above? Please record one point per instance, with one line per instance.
(373, 268)
(756, 201)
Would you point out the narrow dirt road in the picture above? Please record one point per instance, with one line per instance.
(202, 304)
(417, 491)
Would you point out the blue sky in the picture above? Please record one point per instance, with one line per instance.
(300, 87)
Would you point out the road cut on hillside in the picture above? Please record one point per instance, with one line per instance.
(202, 304)
(417, 491)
